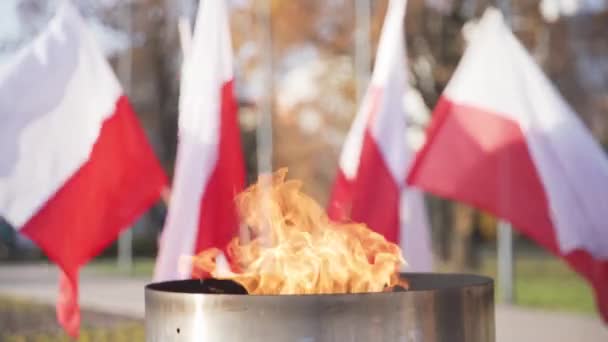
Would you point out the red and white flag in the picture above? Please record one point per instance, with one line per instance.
(75, 165)
(504, 140)
(370, 185)
(209, 169)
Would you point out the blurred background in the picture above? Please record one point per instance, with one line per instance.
(306, 57)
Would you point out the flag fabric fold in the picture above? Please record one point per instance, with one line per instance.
(504, 140)
(75, 165)
(209, 169)
(370, 184)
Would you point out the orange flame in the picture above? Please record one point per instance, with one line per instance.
(295, 249)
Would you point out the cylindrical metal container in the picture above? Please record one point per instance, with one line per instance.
(438, 307)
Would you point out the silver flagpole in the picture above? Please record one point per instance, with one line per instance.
(184, 25)
(264, 124)
(362, 47)
(506, 264)
(265, 109)
(125, 242)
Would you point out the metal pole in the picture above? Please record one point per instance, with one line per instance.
(506, 272)
(506, 264)
(264, 113)
(125, 251)
(125, 242)
(184, 25)
(362, 47)
(264, 122)
(505, 8)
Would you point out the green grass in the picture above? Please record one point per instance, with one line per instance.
(125, 333)
(142, 267)
(545, 282)
(26, 321)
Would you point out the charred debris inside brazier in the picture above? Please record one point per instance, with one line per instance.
(227, 286)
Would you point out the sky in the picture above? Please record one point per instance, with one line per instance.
(553, 9)
(16, 32)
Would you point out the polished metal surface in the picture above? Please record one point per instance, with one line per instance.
(438, 307)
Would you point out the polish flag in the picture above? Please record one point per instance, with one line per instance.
(370, 185)
(504, 140)
(209, 169)
(75, 165)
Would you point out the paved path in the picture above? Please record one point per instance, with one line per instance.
(519, 324)
(125, 296)
(106, 293)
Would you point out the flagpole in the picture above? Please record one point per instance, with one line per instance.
(505, 261)
(264, 124)
(184, 25)
(362, 47)
(125, 242)
(264, 113)
(506, 264)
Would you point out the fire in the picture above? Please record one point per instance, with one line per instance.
(294, 248)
